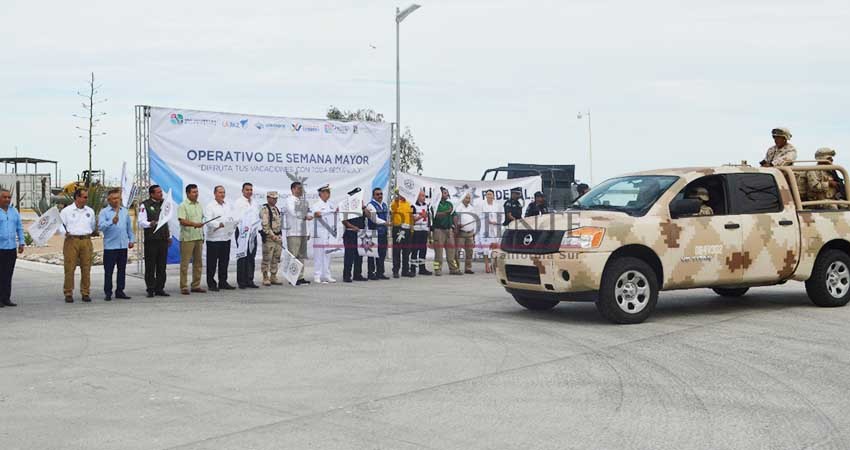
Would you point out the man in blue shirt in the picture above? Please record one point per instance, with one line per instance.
(117, 229)
(11, 243)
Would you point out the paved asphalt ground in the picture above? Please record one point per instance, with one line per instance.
(435, 363)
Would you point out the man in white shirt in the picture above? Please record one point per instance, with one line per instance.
(491, 221)
(297, 213)
(324, 235)
(219, 232)
(466, 220)
(245, 266)
(79, 223)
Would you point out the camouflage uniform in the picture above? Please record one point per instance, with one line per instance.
(781, 156)
(272, 242)
(701, 194)
(819, 181)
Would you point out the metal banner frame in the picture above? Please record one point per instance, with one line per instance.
(143, 178)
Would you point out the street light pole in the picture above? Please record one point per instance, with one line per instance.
(399, 16)
(589, 143)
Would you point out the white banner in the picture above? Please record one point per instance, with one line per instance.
(486, 234)
(46, 226)
(410, 184)
(214, 148)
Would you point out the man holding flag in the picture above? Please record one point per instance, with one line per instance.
(246, 207)
(117, 229)
(157, 240)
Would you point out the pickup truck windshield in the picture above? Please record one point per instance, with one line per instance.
(632, 195)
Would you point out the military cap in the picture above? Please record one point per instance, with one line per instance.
(824, 153)
(518, 190)
(700, 193)
(539, 194)
(271, 194)
(326, 187)
(781, 132)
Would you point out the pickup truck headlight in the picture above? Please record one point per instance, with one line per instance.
(583, 238)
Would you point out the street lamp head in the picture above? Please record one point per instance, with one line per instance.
(578, 116)
(401, 15)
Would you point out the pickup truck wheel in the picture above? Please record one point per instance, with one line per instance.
(535, 304)
(730, 292)
(629, 291)
(829, 285)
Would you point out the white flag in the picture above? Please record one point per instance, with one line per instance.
(367, 243)
(291, 267)
(352, 206)
(128, 188)
(46, 226)
(249, 226)
(408, 189)
(168, 211)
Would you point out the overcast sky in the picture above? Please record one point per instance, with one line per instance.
(668, 82)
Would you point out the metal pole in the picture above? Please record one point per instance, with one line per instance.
(397, 159)
(590, 146)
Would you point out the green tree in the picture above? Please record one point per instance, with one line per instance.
(411, 157)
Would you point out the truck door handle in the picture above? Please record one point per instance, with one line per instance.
(732, 226)
(785, 222)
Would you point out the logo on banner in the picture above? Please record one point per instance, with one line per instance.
(179, 119)
(298, 127)
(274, 125)
(339, 129)
(232, 124)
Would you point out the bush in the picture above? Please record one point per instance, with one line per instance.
(27, 238)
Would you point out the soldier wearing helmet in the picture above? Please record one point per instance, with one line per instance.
(782, 153)
(701, 194)
(824, 184)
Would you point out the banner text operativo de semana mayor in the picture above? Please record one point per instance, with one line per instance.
(290, 158)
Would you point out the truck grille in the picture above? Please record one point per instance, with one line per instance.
(522, 274)
(532, 241)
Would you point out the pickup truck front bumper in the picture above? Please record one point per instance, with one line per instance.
(563, 276)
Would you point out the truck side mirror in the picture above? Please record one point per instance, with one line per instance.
(685, 207)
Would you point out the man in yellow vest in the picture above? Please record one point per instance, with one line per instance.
(402, 220)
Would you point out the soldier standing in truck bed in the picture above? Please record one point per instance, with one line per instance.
(782, 153)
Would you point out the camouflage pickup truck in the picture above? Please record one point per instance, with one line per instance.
(727, 228)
